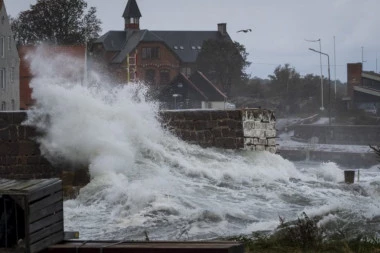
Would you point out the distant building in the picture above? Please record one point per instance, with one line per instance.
(196, 91)
(75, 51)
(155, 57)
(363, 88)
(9, 65)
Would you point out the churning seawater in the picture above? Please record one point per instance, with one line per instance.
(145, 180)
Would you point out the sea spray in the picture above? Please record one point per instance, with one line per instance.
(146, 180)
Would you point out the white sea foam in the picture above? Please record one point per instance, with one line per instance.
(145, 179)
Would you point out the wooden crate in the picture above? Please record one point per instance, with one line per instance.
(31, 214)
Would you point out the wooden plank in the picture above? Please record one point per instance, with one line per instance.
(56, 197)
(46, 232)
(44, 183)
(43, 244)
(23, 185)
(45, 222)
(44, 191)
(141, 247)
(49, 210)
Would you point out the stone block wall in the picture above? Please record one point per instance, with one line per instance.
(20, 156)
(249, 129)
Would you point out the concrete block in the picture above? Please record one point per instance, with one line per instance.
(260, 147)
(263, 141)
(249, 125)
(271, 141)
(270, 133)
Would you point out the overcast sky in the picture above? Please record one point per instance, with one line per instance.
(279, 28)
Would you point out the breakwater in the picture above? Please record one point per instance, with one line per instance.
(21, 157)
(248, 129)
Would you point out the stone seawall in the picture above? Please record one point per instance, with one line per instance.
(248, 129)
(21, 158)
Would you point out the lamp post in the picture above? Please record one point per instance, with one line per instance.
(175, 100)
(320, 63)
(328, 67)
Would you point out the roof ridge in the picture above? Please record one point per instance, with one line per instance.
(212, 84)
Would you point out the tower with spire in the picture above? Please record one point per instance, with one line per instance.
(132, 16)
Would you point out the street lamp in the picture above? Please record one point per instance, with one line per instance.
(328, 67)
(175, 100)
(320, 63)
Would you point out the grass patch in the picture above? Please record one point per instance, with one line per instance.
(305, 236)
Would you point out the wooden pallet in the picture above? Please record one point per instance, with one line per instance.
(31, 214)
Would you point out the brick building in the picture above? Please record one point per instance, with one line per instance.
(363, 88)
(155, 57)
(50, 51)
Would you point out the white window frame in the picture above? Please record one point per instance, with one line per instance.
(2, 46)
(3, 79)
(9, 42)
(12, 75)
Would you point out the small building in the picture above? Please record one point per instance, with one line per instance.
(155, 57)
(196, 91)
(9, 65)
(363, 88)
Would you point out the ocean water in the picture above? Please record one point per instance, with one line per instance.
(144, 180)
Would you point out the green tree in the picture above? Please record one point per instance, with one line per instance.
(56, 21)
(284, 80)
(224, 62)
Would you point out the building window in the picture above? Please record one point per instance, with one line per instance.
(9, 42)
(3, 106)
(164, 77)
(186, 71)
(2, 47)
(2, 78)
(13, 105)
(150, 53)
(150, 76)
(12, 74)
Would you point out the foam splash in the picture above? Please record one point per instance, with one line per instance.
(144, 178)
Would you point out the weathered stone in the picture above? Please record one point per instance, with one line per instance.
(235, 115)
(260, 147)
(271, 141)
(263, 142)
(270, 133)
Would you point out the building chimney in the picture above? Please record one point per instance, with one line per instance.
(354, 77)
(222, 28)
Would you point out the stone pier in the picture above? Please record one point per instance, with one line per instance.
(246, 129)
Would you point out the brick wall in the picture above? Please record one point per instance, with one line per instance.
(20, 156)
(249, 129)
